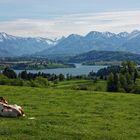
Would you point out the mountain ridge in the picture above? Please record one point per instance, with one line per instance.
(71, 45)
(95, 40)
(17, 46)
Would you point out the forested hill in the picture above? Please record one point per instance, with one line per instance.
(96, 56)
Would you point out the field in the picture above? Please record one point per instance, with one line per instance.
(64, 114)
(82, 85)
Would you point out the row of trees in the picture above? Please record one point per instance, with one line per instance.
(11, 74)
(10, 77)
(104, 72)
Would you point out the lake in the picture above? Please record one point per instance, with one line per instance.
(78, 70)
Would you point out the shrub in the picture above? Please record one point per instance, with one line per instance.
(56, 81)
(98, 88)
(42, 81)
(33, 84)
(136, 89)
(81, 87)
(39, 82)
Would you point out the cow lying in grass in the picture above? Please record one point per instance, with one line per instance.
(7, 110)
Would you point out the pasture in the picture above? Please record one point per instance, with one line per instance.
(65, 114)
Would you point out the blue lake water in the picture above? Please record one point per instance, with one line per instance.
(78, 70)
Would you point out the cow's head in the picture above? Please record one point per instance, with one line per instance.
(22, 111)
(3, 100)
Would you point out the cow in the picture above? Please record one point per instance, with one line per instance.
(7, 110)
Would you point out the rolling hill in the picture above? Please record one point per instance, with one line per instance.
(95, 56)
(70, 114)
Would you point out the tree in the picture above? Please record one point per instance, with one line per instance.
(110, 82)
(61, 77)
(116, 82)
(123, 83)
(10, 73)
(113, 82)
(136, 74)
(130, 68)
(24, 75)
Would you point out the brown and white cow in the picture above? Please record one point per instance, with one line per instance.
(10, 110)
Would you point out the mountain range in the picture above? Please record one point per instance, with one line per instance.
(106, 41)
(69, 46)
(17, 46)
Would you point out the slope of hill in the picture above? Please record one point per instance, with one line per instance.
(95, 56)
(133, 43)
(68, 114)
(66, 47)
(5, 53)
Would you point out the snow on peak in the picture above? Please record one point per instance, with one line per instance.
(5, 36)
(61, 38)
(46, 40)
(93, 34)
(134, 34)
(108, 34)
(123, 34)
(50, 42)
(74, 37)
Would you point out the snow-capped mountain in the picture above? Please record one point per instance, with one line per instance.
(71, 45)
(4, 36)
(133, 42)
(17, 46)
(65, 47)
(123, 34)
(106, 41)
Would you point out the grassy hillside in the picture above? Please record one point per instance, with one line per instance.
(108, 57)
(71, 115)
(82, 85)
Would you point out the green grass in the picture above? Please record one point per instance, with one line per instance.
(62, 114)
(82, 84)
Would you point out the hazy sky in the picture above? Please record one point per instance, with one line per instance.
(54, 18)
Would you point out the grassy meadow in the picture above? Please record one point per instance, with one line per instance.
(63, 113)
(82, 85)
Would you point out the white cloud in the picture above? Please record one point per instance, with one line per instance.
(76, 23)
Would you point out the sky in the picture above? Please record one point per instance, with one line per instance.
(56, 18)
